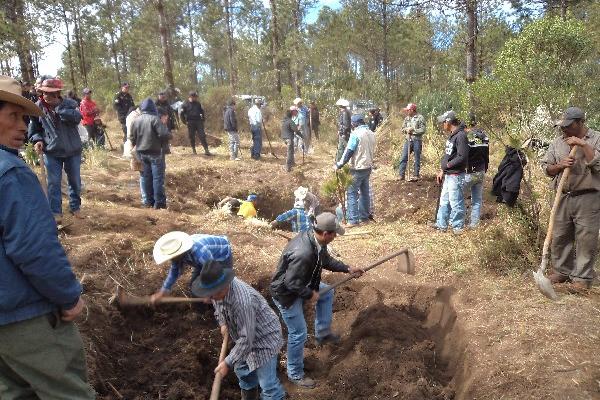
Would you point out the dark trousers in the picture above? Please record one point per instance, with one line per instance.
(289, 163)
(256, 141)
(197, 128)
(124, 127)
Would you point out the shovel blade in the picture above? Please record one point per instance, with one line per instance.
(406, 263)
(544, 284)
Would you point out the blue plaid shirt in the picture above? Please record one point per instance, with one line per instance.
(298, 218)
(206, 248)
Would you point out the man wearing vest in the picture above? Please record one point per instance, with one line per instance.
(451, 213)
(479, 159)
(359, 152)
(41, 351)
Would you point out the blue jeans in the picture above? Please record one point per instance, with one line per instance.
(152, 180)
(360, 183)
(256, 141)
(54, 168)
(293, 317)
(416, 146)
(452, 203)
(474, 183)
(234, 143)
(264, 376)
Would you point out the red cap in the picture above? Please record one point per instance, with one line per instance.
(410, 106)
(51, 85)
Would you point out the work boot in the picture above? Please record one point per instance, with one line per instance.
(557, 277)
(208, 153)
(435, 226)
(77, 214)
(329, 338)
(194, 150)
(402, 178)
(251, 394)
(580, 287)
(58, 219)
(306, 382)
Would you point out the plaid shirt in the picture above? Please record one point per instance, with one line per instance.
(251, 323)
(205, 248)
(298, 218)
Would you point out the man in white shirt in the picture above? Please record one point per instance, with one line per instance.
(255, 119)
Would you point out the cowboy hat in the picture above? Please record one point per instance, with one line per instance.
(213, 278)
(343, 103)
(51, 85)
(297, 101)
(301, 192)
(171, 245)
(10, 92)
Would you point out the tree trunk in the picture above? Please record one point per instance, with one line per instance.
(69, 52)
(232, 71)
(471, 72)
(295, 62)
(15, 12)
(194, 69)
(563, 9)
(79, 43)
(275, 45)
(386, 60)
(162, 27)
(113, 44)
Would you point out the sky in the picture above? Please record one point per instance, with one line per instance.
(51, 61)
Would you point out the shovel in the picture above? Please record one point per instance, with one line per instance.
(542, 282)
(216, 387)
(406, 264)
(125, 299)
(341, 196)
(268, 139)
(44, 175)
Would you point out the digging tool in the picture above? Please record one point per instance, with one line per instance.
(268, 139)
(542, 282)
(216, 387)
(341, 196)
(283, 235)
(406, 264)
(125, 299)
(44, 175)
(439, 195)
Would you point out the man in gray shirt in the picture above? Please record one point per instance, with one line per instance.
(252, 325)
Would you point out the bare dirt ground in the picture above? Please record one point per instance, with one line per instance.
(464, 327)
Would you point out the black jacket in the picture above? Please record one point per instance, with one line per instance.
(374, 121)
(299, 269)
(510, 172)
(123, 102)
(479, 151)
(456, 155)
(166, 107)
(191, 111)
(149, 134)
(289, 129)
(344, 123)
(229, 119)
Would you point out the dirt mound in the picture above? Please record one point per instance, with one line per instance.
(388, 354)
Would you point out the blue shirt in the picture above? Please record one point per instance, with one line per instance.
(298, 218)
(206, 248)
(36, 277)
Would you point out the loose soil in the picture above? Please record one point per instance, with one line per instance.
(453, 331)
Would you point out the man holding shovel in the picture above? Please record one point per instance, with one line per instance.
(41, 351)
(298, 280)
(577, 221)
(193, 250)
(244, 315)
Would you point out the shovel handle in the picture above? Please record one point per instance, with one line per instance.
(371, 266)
(216, 387)
(43, 174)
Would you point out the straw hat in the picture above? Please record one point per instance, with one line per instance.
(301, 192)
(297, 101)
(10, 92)
(343, 103)
(171, 245)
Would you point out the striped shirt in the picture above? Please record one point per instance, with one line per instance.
(251, 323)
(298, 218)
(206, 248)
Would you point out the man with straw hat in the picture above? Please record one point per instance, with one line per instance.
(41, 351)
(193, 250)
(254, 327)
(55, 133)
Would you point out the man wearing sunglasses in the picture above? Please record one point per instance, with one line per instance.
(55, 135)
(575, 232)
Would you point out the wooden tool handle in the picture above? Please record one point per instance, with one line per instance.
(216, 387)
(43, 174)
(557, 199)
(371, 266)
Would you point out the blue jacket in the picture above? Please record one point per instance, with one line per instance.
(58, 129)
(35, 274)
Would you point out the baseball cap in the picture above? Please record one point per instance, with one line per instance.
(125, 84)
(357, 119)
(86, 91)
(252, 197)
(570, 115)
(447, 116)
(193, 93)
(410, 106)
(328, 222)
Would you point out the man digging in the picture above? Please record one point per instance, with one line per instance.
(298, 280)
(193, 250)
(245, 315)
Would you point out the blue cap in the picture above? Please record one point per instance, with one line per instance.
(252, 197)
(357, 119)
